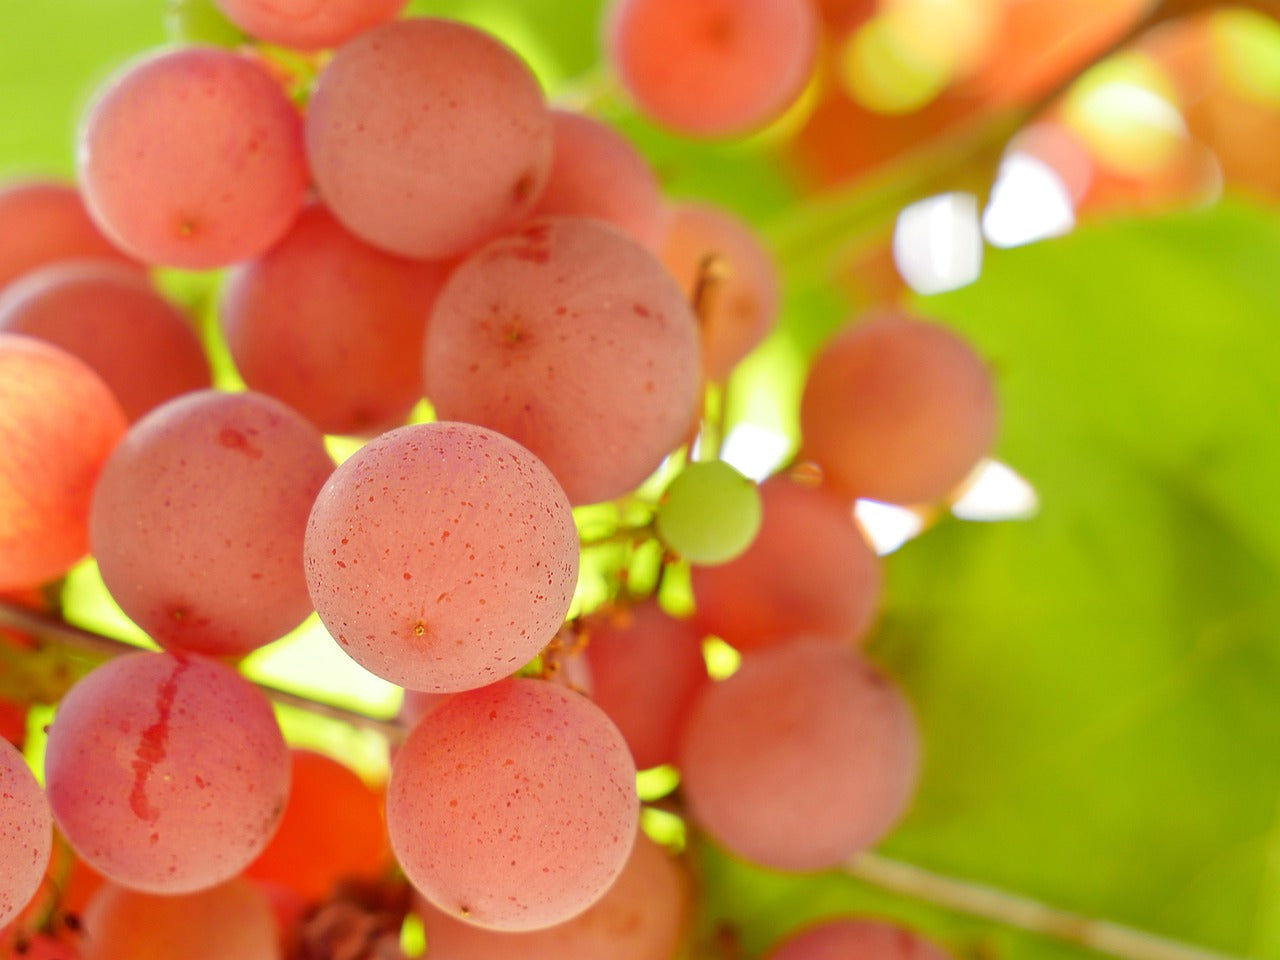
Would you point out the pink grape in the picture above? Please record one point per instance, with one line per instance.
(597, 173)
(332, 326)
(864, 939)
(193, 158)
(646, 668)
(643, 916)
(144, 348)
(804, 757)
(809, 571)
(718, 260)
(513, 806)
(308, 24)
(26, 833)
(574, 340)
(199, 517)
(58, 424)
(897, 409)
(428, 137)
(43, 222)
(167, 773)
(713, 68)
(232, 920)
(442, 556)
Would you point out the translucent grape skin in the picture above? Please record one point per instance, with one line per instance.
(193, 158)
(864, 939)
(332, 830)
(710, 513)
(143, 347)
(513, 806)
(199, 778)
(43, 222)
(428, 137)
(26, 833)
(597, 173)
(720, 263)
(808, 571)
(332, 326)
(58, 424)
(442, 556)
(804, 757)
(646, 670)
(571, 338)
(226, 921)
(308, 24)
(713, 68)
(199, 517)
(897, 409)
(643, 916)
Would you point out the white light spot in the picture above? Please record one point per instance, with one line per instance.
(937, 243)
(1029, 202)
(996, 492)
(754, 451)
(887, 526)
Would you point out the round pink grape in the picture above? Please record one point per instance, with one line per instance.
(513, 807)
(442, 556)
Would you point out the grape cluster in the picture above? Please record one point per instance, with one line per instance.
(418, 222)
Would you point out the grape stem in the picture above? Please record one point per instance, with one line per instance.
(901, 878)
(1014, 911)
(51, 630)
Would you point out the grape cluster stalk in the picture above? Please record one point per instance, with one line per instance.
(400, 215)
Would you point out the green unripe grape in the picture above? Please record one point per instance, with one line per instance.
(200, 22)
(710, 513)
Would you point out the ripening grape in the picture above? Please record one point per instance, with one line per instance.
(514, 806)
(331, 830)
(167, 773)
(713, 67)
(642, 917)
(199, 517)
(332, 326)
(416, 705)
(308, 24)
(729, 276)
(597, 173)
(144, 348)
(864, 939)
(572, 339)
(897, 409)
(58, 423)
(808, 571)
(709, 513)
(428, 137)
(193, 158)
(804, 757)
(26, 833)
(229, 921)
(646, 668)
(442, 556)
(42, 222)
